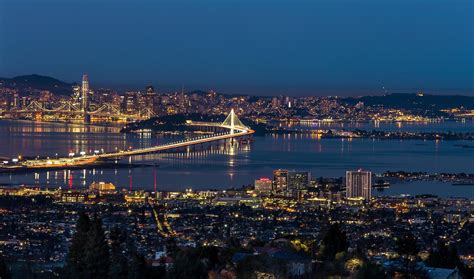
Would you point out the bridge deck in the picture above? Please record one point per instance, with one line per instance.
(235, 131)
(174, 145)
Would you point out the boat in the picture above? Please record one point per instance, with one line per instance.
(383, 185)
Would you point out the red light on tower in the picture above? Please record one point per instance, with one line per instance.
(70, 180)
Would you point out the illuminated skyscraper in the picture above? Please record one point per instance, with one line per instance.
(150, 90)
(359, 184)
(298, 182)
(76, 97)
(280, 181)
(85, 92)
(130, 102)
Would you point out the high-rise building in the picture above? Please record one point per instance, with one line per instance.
(130, 102)
(298, 182)
(85, 92)
(263, 185)
(280, 181)
(151, 100)
(76, 96)
(16, 100)
(150, 89)
(359, 184)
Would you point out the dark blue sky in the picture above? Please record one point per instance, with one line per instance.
(257, 47)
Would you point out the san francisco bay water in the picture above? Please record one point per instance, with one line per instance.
(223, 166)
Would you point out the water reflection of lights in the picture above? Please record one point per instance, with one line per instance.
(196, 152)
(316, 136)
(377, 124)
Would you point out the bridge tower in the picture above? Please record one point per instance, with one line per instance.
(232, 121)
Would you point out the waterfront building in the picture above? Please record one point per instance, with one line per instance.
(102, 187)
(136, 197)
(263, 185)
(236, 201)
(68, 196)
(280, 181)
(298, 183)
(359, 184)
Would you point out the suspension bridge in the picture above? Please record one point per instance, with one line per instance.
(234, 128)
(35, 109)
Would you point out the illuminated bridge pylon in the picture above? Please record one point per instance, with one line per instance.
(233, 122)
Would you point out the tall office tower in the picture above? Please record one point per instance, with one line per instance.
(151, 99)
(16, 100)
(280, 181)
(130, 103)
(359, 184)
(150, 89)
(298, 182)
(85, 92)
(23, 101)
(76, 96)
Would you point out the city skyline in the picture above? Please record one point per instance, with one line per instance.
(309, 48)
(237, 139)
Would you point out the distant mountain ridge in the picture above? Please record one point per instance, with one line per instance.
(410, 101)
(34, 81)
(414, 101)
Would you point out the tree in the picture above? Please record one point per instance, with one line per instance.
(118, 257)
(334, 242)
(4, 270)
(407, 248)
(446, 256)
(188, 264)
(75, 261)
(137, 266)
(253, 264)
(370, 270)
(171, 247)
(442, 256)
(136, 262)
(97, 253)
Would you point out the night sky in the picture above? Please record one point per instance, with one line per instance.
(256, 47)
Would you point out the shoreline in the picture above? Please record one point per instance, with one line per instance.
(100, 124)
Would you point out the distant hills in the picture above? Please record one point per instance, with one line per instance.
(409, 101)
(29, 82)
(412, 101)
